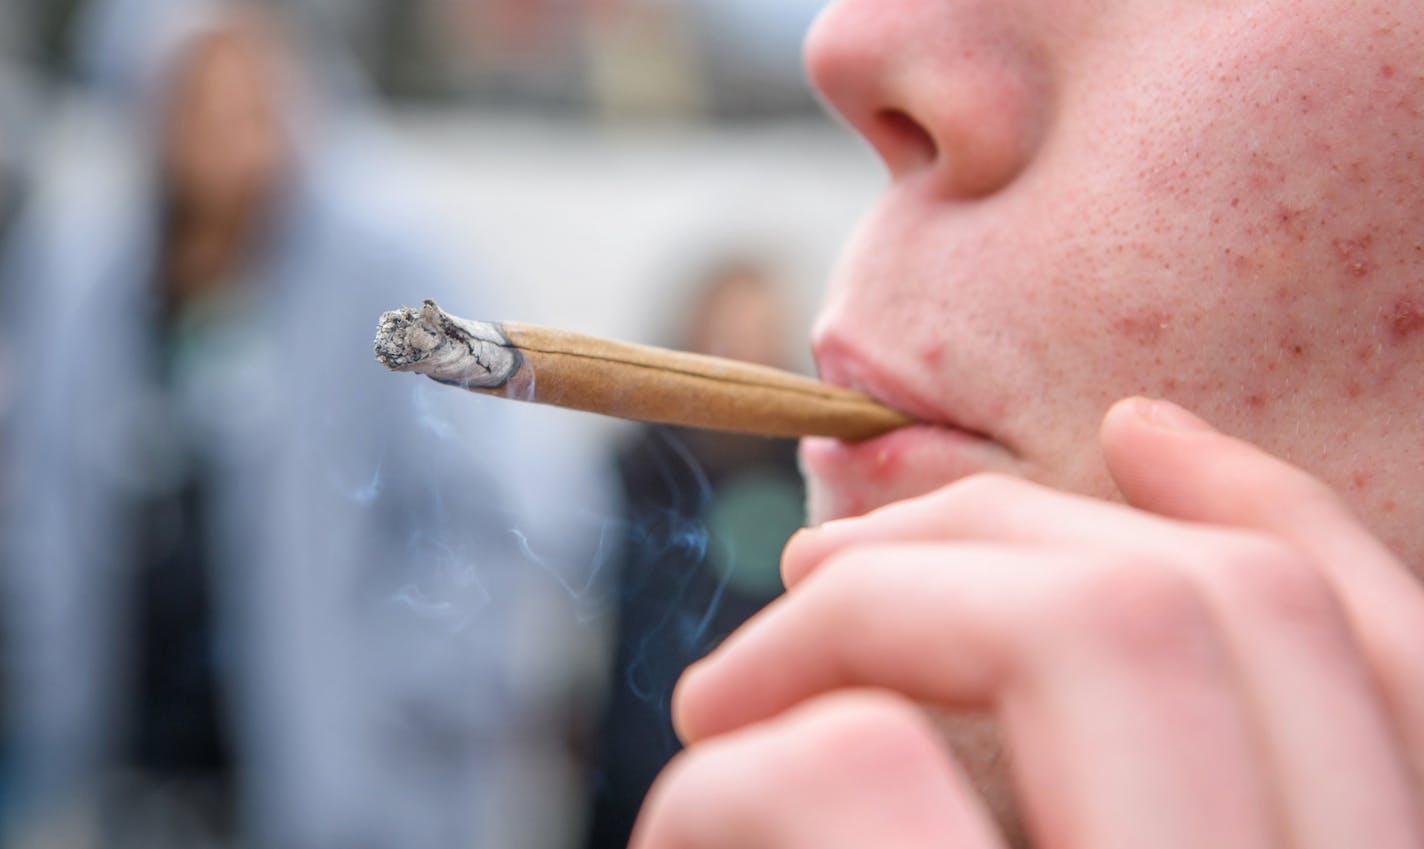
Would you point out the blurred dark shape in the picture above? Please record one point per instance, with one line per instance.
(256, 588)
(707, 515)
(620, 60)
(617, 60)
(18, 107)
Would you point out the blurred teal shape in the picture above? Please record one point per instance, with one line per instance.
(752, 515)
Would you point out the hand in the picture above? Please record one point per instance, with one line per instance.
(1229, 660)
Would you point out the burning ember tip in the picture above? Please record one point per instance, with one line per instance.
(429, 341)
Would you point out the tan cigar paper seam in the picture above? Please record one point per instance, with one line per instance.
(539, 364)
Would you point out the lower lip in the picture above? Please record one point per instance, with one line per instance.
(903, 463)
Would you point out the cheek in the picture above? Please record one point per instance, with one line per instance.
(1257, 218)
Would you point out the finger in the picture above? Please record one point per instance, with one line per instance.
(982, 507)
(1289, 642)
(913, 520)
(1095, 670)
(1334, 756)
(1168, 461)
(854, 769)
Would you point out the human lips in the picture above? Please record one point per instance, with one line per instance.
(851, 478)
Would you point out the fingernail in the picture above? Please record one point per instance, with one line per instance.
(1165, 414)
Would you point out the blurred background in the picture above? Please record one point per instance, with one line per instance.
(256, 592)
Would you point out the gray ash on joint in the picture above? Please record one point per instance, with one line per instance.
(446, 348)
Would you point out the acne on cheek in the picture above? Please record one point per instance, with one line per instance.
(932, 354)
(1378, 312)
(1406, 319)
(1145, 328)
(1355, 256)
(1395, 342)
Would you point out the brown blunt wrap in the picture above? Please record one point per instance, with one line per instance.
(675, 387)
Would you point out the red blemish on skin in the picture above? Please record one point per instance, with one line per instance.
(1145, 329)
(932, 353)
(1387, 71)
(1289, 221)
(1256, 403)
(1353, 390)
(887, 464)
(1360, 480)
(1406, 319)
(1390, 506)
(1354, 254)
(1235, 202)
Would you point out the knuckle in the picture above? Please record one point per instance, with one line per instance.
(1139, 610)
(844, 589)
(1267, 582)
(985, 487)
(845, 577)
(879, 733)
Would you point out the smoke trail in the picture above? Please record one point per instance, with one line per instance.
(451, 595)
(699, 633)
(672, 537)
(426, 415)
(366, 494)
(590, 603)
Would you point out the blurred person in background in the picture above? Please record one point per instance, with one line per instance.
(706, 516)
(18, 109)
(258, 590)
(18, 117)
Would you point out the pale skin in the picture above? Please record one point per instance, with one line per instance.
(1185, 634)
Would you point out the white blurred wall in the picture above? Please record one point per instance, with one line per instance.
(589, 228)
(601, 231)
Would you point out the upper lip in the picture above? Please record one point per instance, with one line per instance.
(844, 364)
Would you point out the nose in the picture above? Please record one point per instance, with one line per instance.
(953, 89)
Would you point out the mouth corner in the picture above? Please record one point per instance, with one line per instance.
(842, 364)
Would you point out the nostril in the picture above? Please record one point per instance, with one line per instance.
(903, 142)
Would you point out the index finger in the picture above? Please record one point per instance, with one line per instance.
(1069, 656)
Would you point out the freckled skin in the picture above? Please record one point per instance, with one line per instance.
(1219, 202)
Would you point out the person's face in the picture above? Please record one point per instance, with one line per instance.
(743, 319)
(1217, 202)
(226, 146)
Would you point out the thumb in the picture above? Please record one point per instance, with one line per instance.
(1165, 460)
